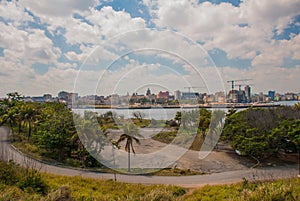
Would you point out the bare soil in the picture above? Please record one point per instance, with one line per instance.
(221, 159)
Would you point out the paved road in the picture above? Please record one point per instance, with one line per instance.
(7, 152)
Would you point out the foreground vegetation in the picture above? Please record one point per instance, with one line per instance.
(18, 183)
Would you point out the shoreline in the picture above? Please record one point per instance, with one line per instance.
(185, 106)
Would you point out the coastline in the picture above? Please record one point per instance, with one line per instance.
(183, 106)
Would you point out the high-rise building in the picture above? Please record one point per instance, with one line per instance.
(248, 93)
(271, 95)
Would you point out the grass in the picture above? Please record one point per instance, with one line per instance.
(78, 188)
(168, 137)
(288, 189)
(165, 136)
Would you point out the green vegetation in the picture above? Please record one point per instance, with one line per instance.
(183, 121)
(261, 133)
(274, 190)
(47, 130)
(20, 184)
(257, 133)
(130, 135)
(25, 184)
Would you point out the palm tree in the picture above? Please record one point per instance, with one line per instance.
(130, 134)
(30, 114)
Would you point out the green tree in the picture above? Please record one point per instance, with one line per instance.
(92, 137)
(130, 135)
(56, 130)
(29, 112)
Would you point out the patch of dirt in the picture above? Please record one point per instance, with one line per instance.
(222, 159)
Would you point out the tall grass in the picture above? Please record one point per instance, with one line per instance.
(19, 184)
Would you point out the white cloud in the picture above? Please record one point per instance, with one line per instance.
(111, 22)
(218, 26)
(56, 7)
(264, 79)
(16, 13)
(242, 32)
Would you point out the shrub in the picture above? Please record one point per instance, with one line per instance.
(33, 181)
(8, 173)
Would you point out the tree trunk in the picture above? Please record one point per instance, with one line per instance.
(129, 159)
(12, 131)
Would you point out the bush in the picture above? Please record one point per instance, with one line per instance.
(8, 173)
(33, 181)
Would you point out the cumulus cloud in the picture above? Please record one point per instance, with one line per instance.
(56, 7)
(61, 35)
(240, 31)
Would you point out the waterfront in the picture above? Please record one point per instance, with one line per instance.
(163, 113)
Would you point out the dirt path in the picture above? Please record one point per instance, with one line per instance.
(220, 160)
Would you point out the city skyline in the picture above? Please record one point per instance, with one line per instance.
(114, 46)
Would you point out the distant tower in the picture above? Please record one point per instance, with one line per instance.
(177, 95)
(248, 93)
(148, 93)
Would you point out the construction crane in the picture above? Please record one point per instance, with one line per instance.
(233, 81)
(240, 85)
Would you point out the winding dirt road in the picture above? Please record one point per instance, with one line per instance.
(7, 152)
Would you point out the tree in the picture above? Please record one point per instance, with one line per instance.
(258, 133)
(138, 115)
(56, 130)
(130, 134)
(178, 118)
(29, 113)
(92, 137)
(10, 118)
(9, 111)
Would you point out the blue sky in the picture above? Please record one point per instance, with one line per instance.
(45, 46)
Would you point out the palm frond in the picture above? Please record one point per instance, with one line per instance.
(136, 140)
(122, 138)
(131, 144)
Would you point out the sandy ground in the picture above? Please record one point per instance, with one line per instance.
(221, 159)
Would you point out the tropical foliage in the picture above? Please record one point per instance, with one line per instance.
(47, 128)
(260, 133)
(130, 135)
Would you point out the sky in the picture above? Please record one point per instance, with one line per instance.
(126, 46)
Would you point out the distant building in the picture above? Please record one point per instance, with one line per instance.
(271, 95)
(47, 97)
(290, 96)
(220, 97)
(163, 95)
(277, 97)
(63, 95)
(189, 95)
(38, 99)
(70, 99)
(148, 92)
(177, 95)
(248, 93)
(114, 99)
(209, 98)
